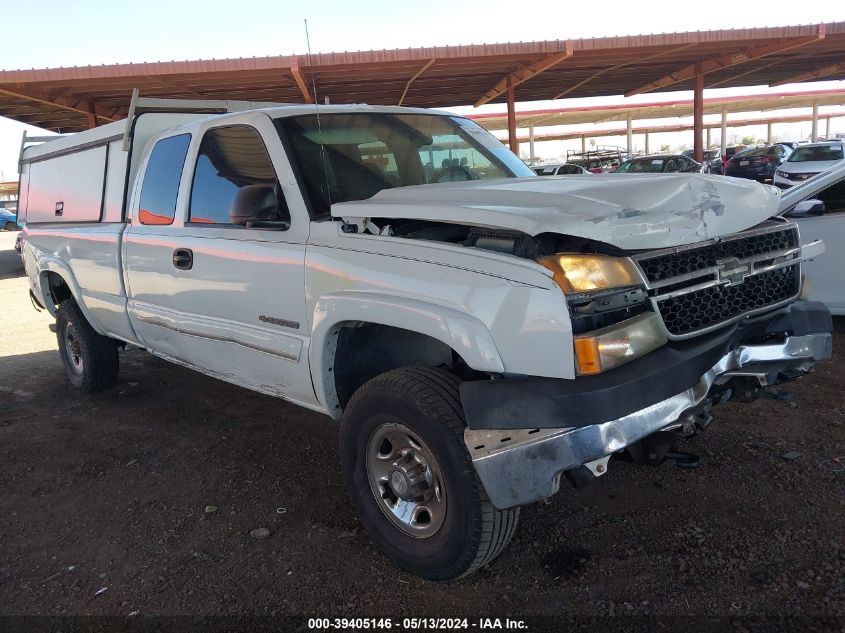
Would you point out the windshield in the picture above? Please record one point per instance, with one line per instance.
(819, 152)
(645, 166)
(352, 156)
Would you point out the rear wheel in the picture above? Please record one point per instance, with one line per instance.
(411, 480)
(90, 359)
(11, 226)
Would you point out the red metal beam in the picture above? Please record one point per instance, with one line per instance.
(725, 61)
(813, 74)
(682, 127)
(300, 81)
(512, 140)
(92, 114)
(698, 118)
(57, 102)
(523, 74)
(412, 79)
(618, 66)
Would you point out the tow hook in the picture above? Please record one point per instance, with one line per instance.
(771, 394)
(658, 448)
(687, 461)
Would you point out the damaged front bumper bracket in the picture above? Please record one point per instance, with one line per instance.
(520, 466)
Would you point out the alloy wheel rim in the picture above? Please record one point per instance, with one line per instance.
(406, 480)
(73, 348)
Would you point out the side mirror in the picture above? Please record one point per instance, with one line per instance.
(807, 208)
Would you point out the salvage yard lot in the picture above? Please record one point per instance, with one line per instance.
(110, 491)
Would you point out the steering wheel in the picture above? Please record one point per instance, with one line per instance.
(455, 173)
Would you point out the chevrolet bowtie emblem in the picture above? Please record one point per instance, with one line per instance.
(730, 271)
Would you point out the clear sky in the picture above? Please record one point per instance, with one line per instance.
(51, 33)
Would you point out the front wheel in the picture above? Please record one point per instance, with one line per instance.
(11, 226)
(411, 480)
(90, 359)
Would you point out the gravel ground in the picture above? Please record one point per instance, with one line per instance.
(104, 502)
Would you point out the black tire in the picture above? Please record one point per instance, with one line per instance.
(91, 359)
(11, 226)
(425, 401)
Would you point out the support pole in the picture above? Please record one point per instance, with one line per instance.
(769, 133)
(514, 144)
(629, 120)
(724, 130)
(827, 129)
(531, 154)
(814, 131)
(92, 115)
(583, 144)
(698, 117)
(708, 139)
(646, 144)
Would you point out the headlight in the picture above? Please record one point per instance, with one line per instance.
(782, 174)
(617, 344)
(584, 273)
(607, 304)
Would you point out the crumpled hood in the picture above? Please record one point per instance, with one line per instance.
(629, 211)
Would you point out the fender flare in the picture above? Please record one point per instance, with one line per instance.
(55, 265)
(462, 332)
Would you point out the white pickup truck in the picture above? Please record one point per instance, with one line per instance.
(477, 331)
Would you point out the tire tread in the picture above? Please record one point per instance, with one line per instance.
(102, 363)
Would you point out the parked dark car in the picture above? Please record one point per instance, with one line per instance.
(712, 160)
(717, 165)
(659, 164)
(758, 164)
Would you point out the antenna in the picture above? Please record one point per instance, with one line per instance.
(323, 159)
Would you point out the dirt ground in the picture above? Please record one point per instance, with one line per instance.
(103, 498)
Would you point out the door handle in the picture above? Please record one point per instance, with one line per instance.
(183, 258)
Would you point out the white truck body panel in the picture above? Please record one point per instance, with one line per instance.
(70, 187)
(222, 317)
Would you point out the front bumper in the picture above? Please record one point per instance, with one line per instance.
(519, 463)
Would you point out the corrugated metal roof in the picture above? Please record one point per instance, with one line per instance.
(62, 99)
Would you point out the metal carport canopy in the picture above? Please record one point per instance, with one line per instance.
(661, 109)
(72, 99)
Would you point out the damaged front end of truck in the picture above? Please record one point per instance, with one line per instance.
(676, 306)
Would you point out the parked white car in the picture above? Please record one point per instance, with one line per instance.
(818, 206)
(807, 161)
(477, 331)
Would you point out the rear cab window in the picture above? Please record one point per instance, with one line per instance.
(160, 187)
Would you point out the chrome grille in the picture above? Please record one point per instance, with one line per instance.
(670, 265)
(701, 287)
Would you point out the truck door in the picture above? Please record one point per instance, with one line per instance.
(148, 244)
(237, 261)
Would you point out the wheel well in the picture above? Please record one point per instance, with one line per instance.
(365, 350)
(58, 288)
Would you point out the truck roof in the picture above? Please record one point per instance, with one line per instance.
(115, 130)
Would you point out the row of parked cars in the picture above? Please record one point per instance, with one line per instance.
(781, 164)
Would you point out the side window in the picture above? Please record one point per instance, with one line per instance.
(234, 180)
(161, 180)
